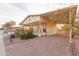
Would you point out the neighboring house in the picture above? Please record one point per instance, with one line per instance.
(46, 23)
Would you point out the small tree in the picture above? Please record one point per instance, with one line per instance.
(9, 25)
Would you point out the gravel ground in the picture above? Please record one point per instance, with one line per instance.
(55, 45)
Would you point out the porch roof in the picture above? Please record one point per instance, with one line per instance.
(59, 15)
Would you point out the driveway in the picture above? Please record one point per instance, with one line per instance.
(55, 45)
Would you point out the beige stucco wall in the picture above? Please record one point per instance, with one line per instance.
(51, 27)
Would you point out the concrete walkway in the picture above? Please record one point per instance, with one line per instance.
(55, 45)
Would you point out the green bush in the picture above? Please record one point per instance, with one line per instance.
(27, 35)
(23, 35)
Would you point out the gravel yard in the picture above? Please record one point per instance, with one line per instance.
(55, 45)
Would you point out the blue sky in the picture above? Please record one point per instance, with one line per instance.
(18, 11)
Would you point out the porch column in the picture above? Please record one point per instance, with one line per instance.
(71, 41)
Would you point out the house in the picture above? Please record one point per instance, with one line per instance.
(46, 23)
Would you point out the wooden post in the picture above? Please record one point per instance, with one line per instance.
(70, 37)
(71, 41)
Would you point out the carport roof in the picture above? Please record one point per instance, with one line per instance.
(59, 15)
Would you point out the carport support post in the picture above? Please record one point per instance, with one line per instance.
(39, 25)
(71, 41)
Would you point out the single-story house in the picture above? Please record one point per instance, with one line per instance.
(47, 23)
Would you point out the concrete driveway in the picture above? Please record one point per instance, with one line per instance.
(55, 45)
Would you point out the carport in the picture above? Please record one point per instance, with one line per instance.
(64, 16)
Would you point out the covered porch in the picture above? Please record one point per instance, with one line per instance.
(56, 19)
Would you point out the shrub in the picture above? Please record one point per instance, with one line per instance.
(23, 35)
(27, 35)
